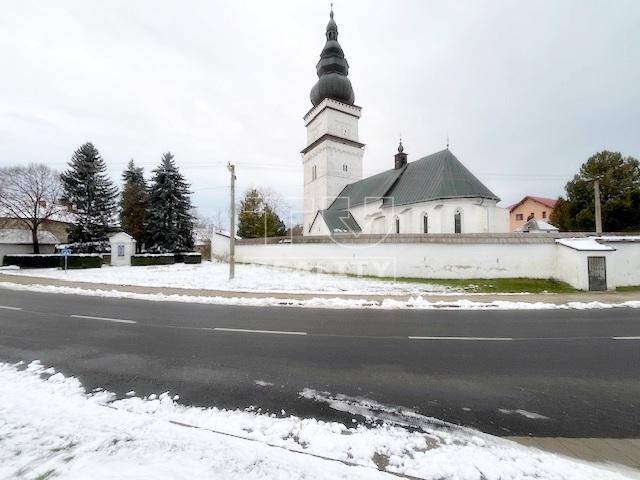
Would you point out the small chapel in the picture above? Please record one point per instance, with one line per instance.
(434, 194)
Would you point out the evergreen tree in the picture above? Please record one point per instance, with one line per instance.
(619, 195)
(133, 203)
(91, 194)
(169, 221)
(257, 218)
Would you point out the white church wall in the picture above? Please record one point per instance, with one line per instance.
(485, 218)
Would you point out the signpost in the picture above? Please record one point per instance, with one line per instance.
(65, 252)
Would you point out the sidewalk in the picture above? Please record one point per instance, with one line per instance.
(554, 298)
(624, 451)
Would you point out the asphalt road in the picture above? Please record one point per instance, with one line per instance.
(562, 364)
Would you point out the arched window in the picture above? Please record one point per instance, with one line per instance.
(397, 225)
(457, 221)
(345, 167)
(314, 172)
(425, 223)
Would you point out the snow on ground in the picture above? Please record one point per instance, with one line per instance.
(51, 428)
(417, 303)
(249, 278)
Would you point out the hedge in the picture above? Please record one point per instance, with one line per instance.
(188, 257)
(32, 260)
(82, 261)
(151, 259)
(53, 261)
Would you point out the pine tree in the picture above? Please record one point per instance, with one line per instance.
(91, 194)
(169, 221)
(257, 218)
(133, 203)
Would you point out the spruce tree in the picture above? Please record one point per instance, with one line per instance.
(91, 194)
(169, 221)
(133, 203)
(257, 218)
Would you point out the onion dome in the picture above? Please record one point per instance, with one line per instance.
(332, 71)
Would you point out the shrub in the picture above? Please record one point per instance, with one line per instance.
(32, 260)
(82, 261)
(193, 258)
(152, 259)
(188, 257)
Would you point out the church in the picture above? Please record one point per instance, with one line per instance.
(434, 194)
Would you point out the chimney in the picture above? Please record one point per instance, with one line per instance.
(401, 157)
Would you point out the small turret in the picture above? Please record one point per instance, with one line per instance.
(400, 157)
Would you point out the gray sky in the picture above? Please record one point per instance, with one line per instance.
(526, 91)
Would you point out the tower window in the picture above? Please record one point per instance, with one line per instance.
(397, 225)
(425, 224)
(457, 222)
(345, 168)
(314, 172)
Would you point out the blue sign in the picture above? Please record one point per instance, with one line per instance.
(65, 252)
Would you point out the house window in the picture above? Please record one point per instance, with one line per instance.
(397, 225)
(544, 214)
(457, 222)
(425, 224)
(314, 173)
(519, 216)
(121, 250)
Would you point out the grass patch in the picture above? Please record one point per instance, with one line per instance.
(630, 288)
(492, 285)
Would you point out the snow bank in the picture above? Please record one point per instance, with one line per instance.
(418, 303)
(249, 278)
(50, 426)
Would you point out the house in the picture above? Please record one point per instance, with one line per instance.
(434, 194)
(18, 241)
(58, 224)
(530, 207)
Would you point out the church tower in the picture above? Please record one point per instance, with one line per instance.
(332, 158)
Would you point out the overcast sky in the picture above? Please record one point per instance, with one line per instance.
(526, 91)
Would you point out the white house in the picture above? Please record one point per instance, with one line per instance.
(18, 241)
(435, 194)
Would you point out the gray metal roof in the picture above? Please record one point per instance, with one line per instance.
(340, 221)
(434, 177)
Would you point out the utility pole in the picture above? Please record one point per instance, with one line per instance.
(596, 192)
(232, 223)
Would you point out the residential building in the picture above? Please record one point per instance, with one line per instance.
(530, 207)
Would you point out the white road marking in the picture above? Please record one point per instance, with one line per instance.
(625, 338)
(472, 339)
(243, 330)
(10, 308)
(116, 320)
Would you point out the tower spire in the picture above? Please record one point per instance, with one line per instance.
(332, 70)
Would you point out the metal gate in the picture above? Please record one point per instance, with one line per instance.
(597, 273)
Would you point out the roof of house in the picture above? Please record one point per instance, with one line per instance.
(547, 202)
(18, 236)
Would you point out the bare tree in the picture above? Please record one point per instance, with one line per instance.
(30, 195)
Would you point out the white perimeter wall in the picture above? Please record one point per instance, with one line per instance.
(451, 260)
(426, 260)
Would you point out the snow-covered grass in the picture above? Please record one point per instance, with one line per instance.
(249, 278)
(50, 427)
(340, 303)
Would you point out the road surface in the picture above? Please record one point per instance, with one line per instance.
(578, 368)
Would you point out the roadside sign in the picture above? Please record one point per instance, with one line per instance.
(65, 252)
